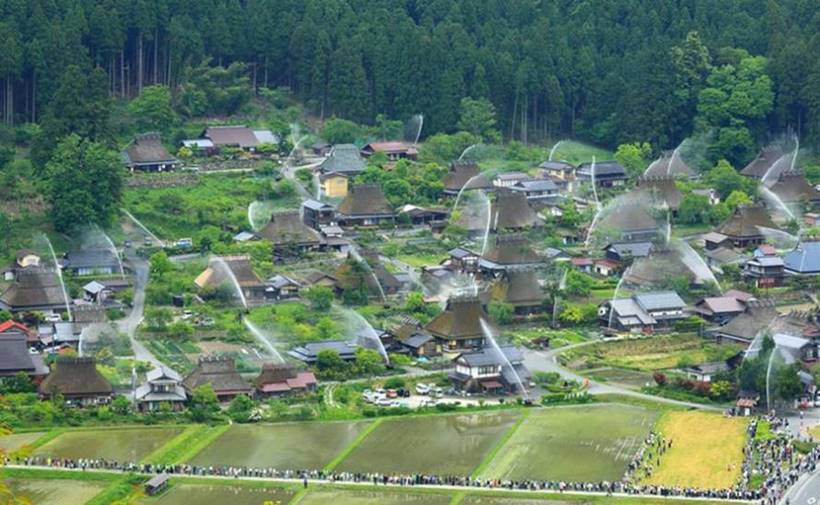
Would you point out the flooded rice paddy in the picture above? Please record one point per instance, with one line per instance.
(121, 444)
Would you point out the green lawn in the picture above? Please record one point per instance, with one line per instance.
(120, 444)
(447, 444)
(577, 152)
(287, 445)
(589, 443)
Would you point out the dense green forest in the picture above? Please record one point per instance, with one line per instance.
(605, 71)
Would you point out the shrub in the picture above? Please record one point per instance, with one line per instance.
(660, 379)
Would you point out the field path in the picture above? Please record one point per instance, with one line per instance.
(547, 361)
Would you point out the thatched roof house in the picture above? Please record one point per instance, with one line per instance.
(512, 251)
(78, 381)
(663, 190)
(670, 164)
(459, 326)
(364, 205)
(221, 374)
(460, 173)
(147, 153)
(289, 234)
(34, 289)
(343, 159)
(277, 379)
(511, 211)
(743, 227)
(521, 290)
(218, 274)
(759, 166)
(793, 187)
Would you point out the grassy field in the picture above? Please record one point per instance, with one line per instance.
(648, 354)
(339, 497)
(120, 444)
(290, 445)
(706, 453)
(451, 444)
(589, 443)
(630, 378)
(56, 492)
(577, 152)
(185, 494)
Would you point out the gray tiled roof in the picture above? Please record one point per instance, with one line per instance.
(659, 300)
(804, 259)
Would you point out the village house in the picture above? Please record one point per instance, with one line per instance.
(34, 289)
(804, 259)
(162, 385)
(321, 149)
(765, 271)
(719, 309)
(538, 190)
(307, 353)
(520, 289)
(282, 379)
(12, 328)
(317, 214)
(556, 255)
(560, 170)
(237, 136)
(147, 154)
(605, 267)
(795, 349)
(343, 162)
(91, 261)
(417, 216)
(378, 281)
(200, 147)
(625, 252)
(484, 371)
(811, 219)
(462, 260)
(289, 235)
(460, 173)
(583, 264)
(760, 166)
(15, 354)
(607, 174)
(743, 228)
(282, 287)
(365, 205)
(221, 374)
(631, 223)
(511, 211)
(510, 179)
(394, 150)
(414, 340)
(509, 252)
(793, 189)
(224, 270)
(458, 327)
(645, 312)
(78, 381)
(706, 372)
(743, 328)
(670, 164)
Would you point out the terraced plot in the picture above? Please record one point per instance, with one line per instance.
(288, 445)
(15, 441)
(339, 497)
(56, 492)
(188, 494)
(447, 444)
(588, 444)
(120, 444)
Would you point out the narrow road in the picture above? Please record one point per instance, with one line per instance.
(129, 323)
(547, 361)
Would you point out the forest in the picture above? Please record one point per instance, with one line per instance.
(741, 71)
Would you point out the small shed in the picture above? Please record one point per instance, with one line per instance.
(157, 484)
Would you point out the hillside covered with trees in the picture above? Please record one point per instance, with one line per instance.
(606, 72)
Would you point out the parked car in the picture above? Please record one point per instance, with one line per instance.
(384, 402)
(53, 318)
(422, 388)
(392, 393)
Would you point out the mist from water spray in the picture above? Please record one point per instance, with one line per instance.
(111, 247)
(364, 330)
(694, 262)
(489, 207)
(554, 147)
(467, 150)
(358, 257)
(264, 339)
(598, 208)
(59, 272)
(141, 226)
(218, 262)
(615, 294)
(775, 351)
(488, 334)
(775, 201)
(780, 239)
(421, 125)
(775, 170)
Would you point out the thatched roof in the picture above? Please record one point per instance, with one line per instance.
(511, 210)
(513, 249)
(792, 187)
(215, 275)
(629, 217)
(147, 149)
(34, 287)
(220, 373)
(365, 200)
(669, 165)
(460, 172)
(663, 189)
(746, 221)
(76, 377)
(760, 165)
(286, 228)
(657, 269)
(461, 319)
(519, 288)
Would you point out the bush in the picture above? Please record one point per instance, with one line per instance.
(394, 383)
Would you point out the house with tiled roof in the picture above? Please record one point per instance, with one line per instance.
(412, 338)
(239, 136)
(221, 374)
(78, 381)
(343, 163)
(805, 258)
(718, 309)
(645, 312)
(364, 205)
(560, 170)
(147, 154)
(281, 379)
(309, 352)
(16, 357)
(765, 271)
(13, 328)
(394, 150)
(485, 371)
(606, 174)
(162, 385)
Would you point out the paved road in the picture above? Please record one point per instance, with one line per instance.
(129, 324)
(546, 361)
(805, 492)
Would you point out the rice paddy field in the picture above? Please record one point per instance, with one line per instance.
(448, 444)
(629, 378)
(706, 453)
(589, 443)
(14, 441)
(119, 444)
(290, 445)
(200, 494)
(56, 492)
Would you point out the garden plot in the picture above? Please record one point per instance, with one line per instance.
(446, 444)
(287, 445)
(119, 444)
(589, 444)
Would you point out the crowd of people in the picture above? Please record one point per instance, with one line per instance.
(775, 458)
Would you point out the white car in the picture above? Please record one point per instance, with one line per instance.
(384, 402)
(53, 318)
(422, 388)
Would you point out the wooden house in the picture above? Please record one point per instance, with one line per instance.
(78, 381)
(221, 374)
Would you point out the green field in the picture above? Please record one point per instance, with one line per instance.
(590, 443)
(119, 444)
(200, 494)
(56, 492)
(15, 441)
(451, 444)
(630, 378)
(290, 445)
(339, 497)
